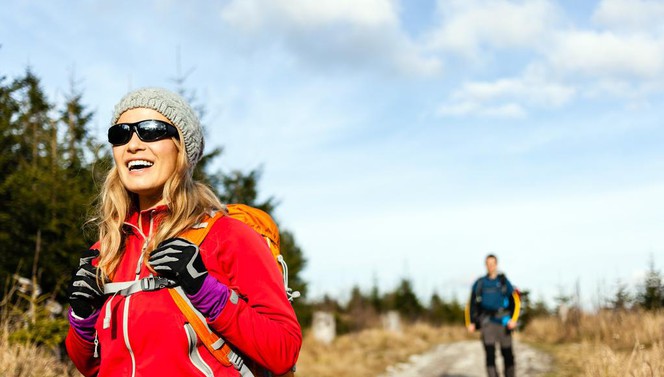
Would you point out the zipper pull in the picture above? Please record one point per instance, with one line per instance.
(96, 354)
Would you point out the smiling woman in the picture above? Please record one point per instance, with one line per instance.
(122, 322)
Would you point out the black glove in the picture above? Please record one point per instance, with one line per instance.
(180, 260)
(84, 293)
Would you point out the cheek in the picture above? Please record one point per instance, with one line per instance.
(169, 153)
(172, 164)
(117, 156)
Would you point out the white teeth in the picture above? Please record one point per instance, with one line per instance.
(139, 164)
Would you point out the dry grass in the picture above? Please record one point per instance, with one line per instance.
(605, 344)
(369, 352)
(27, 360)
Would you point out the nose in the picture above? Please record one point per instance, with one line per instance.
(135, 144)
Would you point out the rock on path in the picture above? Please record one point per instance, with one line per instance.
(466, 359)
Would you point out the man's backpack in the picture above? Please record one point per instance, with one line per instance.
(478, 288)
(479, 314)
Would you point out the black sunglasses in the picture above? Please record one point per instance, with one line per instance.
(147, 130)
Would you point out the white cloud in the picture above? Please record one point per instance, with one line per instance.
(630, 15)
(509, 110)
(334, 33)
(624, 59)
(468, 27)
(597, 54)
(252, 14)
(507, 97)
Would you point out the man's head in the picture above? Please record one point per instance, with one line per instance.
(491, 265)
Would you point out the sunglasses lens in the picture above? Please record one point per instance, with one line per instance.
(151, 130)
(119, 134)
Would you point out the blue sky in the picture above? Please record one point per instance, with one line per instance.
(404, 138)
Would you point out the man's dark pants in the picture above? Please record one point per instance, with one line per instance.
(492, 334)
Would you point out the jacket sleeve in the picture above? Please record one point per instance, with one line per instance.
(471, 309)
(81, 354)
(80, 351)
(262, 324)
(515, 301)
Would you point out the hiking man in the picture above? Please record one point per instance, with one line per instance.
(494, 309)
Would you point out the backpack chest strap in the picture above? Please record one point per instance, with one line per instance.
(147, 284)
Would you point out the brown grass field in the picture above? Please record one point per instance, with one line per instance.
(608, 344)
(27, 360)
(605, 344)
(370, 352)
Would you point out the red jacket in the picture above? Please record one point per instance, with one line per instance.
(146, 335)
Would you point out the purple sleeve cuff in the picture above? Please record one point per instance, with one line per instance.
(211, 299)
(84, 327)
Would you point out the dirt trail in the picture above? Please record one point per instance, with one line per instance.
(466, 359)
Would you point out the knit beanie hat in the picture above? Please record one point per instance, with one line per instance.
(175, 109)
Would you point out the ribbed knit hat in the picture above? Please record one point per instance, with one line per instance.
(175, 109)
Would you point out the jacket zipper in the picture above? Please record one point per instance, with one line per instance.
(96, 353)
(194, 355)
(125, 314)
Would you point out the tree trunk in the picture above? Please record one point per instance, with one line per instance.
(32, 314)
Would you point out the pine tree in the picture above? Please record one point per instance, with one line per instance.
(441, 311)
(652, 294)
(46, 186)
(375, 298)
(436, 312)
(406, 302)
(622, 299)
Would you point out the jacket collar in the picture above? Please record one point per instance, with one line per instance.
(141, 219)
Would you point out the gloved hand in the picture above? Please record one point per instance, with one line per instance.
(84, 293)
(180, 260)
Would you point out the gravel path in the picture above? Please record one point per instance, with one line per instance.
(466, 359)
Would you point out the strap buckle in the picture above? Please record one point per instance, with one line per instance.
(153, 283)
(236, 360)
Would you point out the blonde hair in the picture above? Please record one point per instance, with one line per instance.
(187, 202)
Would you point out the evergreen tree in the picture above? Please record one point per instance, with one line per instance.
(375, 298)
(622, 299)
(45, 187)
(530, 309)
(443, 312)
(436, 312)
(652, 295)
(404, 300)
(75, 117)
(359, 310)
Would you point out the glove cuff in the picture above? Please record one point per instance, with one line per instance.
(211, 298)
(84, 327)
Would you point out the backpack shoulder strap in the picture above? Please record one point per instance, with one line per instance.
(478, 289)
(503, 284)
(197, 233)
(215, 344)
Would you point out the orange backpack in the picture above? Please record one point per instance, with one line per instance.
(262, 223)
